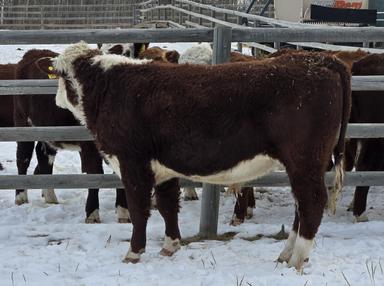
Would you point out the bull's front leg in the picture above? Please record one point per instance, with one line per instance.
(167, 196)
(138, 180)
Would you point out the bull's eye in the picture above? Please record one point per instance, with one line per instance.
(127, 54)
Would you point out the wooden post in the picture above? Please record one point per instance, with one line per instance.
(209, 215)
(222, 37)
(211, 193)
(200, 11)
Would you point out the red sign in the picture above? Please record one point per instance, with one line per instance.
(347, 4)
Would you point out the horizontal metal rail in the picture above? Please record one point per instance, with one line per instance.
(80, 133)
(299, 34)
(275, 179)
(49, 86)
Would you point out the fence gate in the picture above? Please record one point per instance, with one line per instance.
(68, 14)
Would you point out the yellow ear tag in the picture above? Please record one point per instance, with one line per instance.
(51, 75)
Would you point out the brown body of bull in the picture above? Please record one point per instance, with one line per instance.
(156, 121)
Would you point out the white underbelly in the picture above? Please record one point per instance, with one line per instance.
(244, 171)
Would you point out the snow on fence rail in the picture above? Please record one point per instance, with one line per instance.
(222, 38)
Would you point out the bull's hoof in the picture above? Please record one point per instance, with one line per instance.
(196, 198)
(249, 213)
(133, 257)
(21, 198)
(362, 218)
(166, 252)
(235, 221)
(93, 217)
(170, 246)
(131, 260)
(49, 196)
(123, 215)
(190, 194)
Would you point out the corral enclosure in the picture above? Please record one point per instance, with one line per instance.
(58, 230)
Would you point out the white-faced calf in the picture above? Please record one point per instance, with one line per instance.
(244, 119)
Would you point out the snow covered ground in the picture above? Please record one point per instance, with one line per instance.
(50, 244)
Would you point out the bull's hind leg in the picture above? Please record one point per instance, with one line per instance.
(23, 159)
(310, 193)
(91, 163)
(167, 196)
(138, 182)
(45, 157)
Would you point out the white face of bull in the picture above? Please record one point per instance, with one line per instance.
(70, 91)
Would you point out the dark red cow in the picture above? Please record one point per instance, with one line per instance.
(41, 110)
(243, 120)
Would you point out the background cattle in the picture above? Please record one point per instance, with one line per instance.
(41, 110)
(7, 72)
(130, 50)
(367, 107)
(243, 121)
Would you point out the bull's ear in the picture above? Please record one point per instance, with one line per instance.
(46, 66)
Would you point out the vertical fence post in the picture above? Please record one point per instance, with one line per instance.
(211, 193)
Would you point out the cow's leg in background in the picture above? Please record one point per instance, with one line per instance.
(138, 180)
(368, 160)
(45, 155)
(121, 207)
(23, 159)
(167, 197)
(190, 194)
(91, 163)
(245, 202)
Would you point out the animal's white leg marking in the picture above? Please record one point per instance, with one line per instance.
(123, 215)
(190, 194)
(170, 246)
(133, 257)
(286, 254)
(21, 198)
(94, 217)
(49, 196)
(300, 253)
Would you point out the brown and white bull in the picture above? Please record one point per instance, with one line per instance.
(244, 119)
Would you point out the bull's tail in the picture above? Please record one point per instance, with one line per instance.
(338, 151)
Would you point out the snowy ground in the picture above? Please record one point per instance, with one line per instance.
(50, 244)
